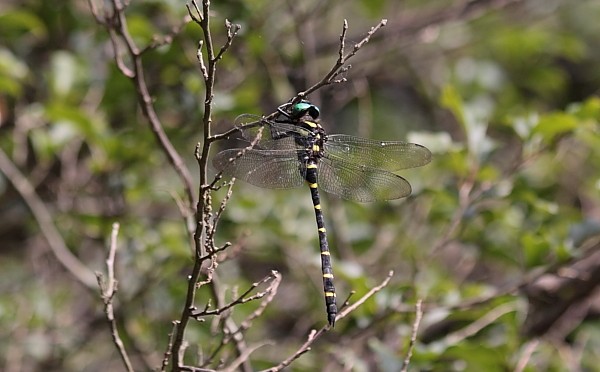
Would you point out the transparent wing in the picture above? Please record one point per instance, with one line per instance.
(267, 134)
(360, 183)
(386, 155)
(272, 169)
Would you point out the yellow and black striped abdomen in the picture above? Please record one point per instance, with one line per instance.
(328, 287)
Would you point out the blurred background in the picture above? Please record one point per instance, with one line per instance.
(500, 238)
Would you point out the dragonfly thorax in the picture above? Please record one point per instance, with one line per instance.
(314, 140)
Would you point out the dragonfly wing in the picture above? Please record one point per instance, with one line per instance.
(272, 169)
(360, 183)
(272, 135)
(387, 155)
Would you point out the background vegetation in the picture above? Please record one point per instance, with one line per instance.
(500, 239)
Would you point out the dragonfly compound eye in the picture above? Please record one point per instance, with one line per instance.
(303, 107)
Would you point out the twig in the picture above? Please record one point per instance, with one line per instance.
(413, 337)
(271, 291)
(232, 30)
(527, 352)
(243, 357)
(167, 355)
(340, 65)
(117, 27)
(361, 300)
(306, 347)
(165, 39)
(315, 335)
(479, 324)
(46, 223)
(242, 299)
(235, 334)
(203, 207)
(108, 289)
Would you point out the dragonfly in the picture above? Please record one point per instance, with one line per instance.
(291, 148)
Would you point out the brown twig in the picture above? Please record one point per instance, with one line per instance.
(203, 208)
(271, 292)
(413, 336)
(108, 289)
(117, 27)
(46, 223)
(242, 299)
(315, 335)
(267, 296)
(167, 354)
(470, 330)
(340, 65)
(368, 295)
(527, 351)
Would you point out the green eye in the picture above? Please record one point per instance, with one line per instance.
(302, 107)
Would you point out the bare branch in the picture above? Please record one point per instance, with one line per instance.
(167, 354)
(232, 30)
(314, 335)
(527, 351)
(243, 357)
(271, 292)
(158, 41)
(339, 67)
(368, 295)
(116, 25)
(242, 299)
(470, 330)
(108, 289)
(201, 60)
(203, 236)
(46, 223)
(413, 337)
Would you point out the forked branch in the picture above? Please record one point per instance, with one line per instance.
(108, 289)
(315, 335)
(340, 65)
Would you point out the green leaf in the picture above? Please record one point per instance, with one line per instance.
(452, 100)
(535, 249)
(16, 22)
(552, 125)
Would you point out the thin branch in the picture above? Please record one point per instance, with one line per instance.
(242, 299)
(210, 236)
(470, 330)
(167, 354)
(413, 337)
(364, 298)
(315, 335)
(236, 334)
(232, 30)
(306, 347)
(108, 289)
(116, 25)
(243, 357)
(46, 223)
(271, 292)
(340, 65)
(203, 207)
(158, 41)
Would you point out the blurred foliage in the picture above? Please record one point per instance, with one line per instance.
(506, 99)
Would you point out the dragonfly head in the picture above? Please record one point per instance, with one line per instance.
(302, 108)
